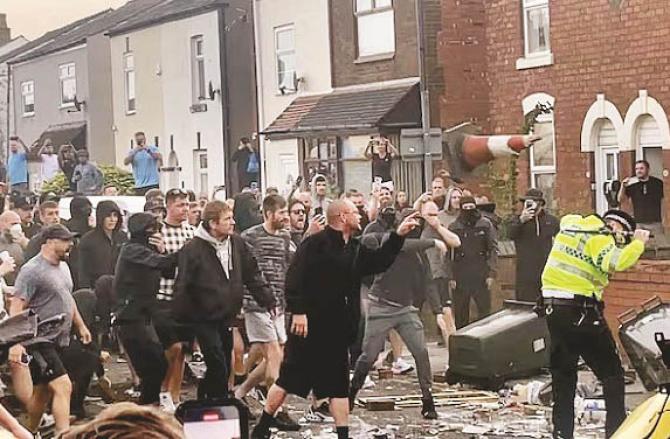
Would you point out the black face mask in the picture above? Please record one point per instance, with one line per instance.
(470, 216)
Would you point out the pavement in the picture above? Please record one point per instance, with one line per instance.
(510, 416)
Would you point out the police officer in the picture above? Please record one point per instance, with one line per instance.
(585, 253)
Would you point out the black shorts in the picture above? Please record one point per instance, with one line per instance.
(324, 371)
(46, 364)
(169, 331)
(438, 295)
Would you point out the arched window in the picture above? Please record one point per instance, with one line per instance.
(542, 153)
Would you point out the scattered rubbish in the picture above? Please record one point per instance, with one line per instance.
(384, 373)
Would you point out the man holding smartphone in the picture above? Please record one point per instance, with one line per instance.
(533, 234)
(145, 161)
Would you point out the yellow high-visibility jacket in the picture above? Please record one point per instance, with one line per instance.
(581, 263)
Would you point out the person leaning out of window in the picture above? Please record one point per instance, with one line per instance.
(382, 152)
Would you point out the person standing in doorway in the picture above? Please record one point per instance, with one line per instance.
(646, 193)
(248, 164)
(67, 160)
(17, 166)
(145, 160)
(533, 234)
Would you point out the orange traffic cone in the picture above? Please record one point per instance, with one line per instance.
(466, 152)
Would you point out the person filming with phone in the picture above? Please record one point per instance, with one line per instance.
(646, 193)
(533, 234)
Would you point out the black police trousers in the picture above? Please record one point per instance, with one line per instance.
(582, 332)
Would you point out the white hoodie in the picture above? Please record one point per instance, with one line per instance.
(222, 248)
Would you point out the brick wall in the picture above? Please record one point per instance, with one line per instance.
(403, 64)
(597, 48)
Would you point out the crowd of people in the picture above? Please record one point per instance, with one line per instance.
(277, 293)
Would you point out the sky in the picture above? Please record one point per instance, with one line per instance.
(32, 18)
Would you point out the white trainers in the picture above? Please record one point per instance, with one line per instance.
(368, 384)
(46, 421)
(401, 367)
(166, 403)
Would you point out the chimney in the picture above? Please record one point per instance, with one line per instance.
(5, 32)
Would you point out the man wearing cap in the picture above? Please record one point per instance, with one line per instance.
(586, 251)
(44, 286)
(533, 234)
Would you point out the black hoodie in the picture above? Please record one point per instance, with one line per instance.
(98, 252)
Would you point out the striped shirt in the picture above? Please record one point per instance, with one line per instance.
(175, 238)
(273, 254)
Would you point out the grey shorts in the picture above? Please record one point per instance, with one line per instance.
(261, 327)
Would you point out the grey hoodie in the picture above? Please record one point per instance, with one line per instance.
(222, 247)
(322, 203)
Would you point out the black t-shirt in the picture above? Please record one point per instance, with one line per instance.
(646, 197)
(381, 167)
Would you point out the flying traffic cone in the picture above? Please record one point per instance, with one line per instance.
(465, 152)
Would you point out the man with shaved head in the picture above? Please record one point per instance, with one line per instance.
(12, 240)
(323, 298)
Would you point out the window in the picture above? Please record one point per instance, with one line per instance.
(543, 158)
(129, 75)
(375, 22)
(68, 84)
(285, 54)
(198, 69)
(201, 175)
(537, 47)
(650, 141)
(28, 97)
(322, 156)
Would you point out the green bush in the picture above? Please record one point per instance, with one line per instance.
(113, 176)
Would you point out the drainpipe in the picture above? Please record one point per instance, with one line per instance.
(9, 101)
(425, 98)
(259, 93)
(225, 104)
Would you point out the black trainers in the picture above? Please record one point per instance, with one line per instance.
(428, 409)
(283, 422)
(256, 433)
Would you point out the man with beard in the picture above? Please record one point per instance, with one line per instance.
(474, 262)
(320, 200)
(270, 244)
(359, 201)
(323, 296)
(44, 286)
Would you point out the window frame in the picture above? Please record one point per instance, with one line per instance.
(25, 113)
(62, 79)
(527, 6)
(333, 157)
(374, 9)
(284, 52)
(198, 69)
(199, 171)
(127, 72)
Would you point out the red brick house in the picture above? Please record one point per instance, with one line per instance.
(604, 66)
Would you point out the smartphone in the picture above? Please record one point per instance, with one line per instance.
(218, 418)
(253, 186)
(530, 205)
(318, 211)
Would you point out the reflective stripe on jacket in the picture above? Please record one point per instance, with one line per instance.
(581, 263)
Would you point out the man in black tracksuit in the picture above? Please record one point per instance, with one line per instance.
(141, 265)
(323, 295)
(474, 262)
(214, 268)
